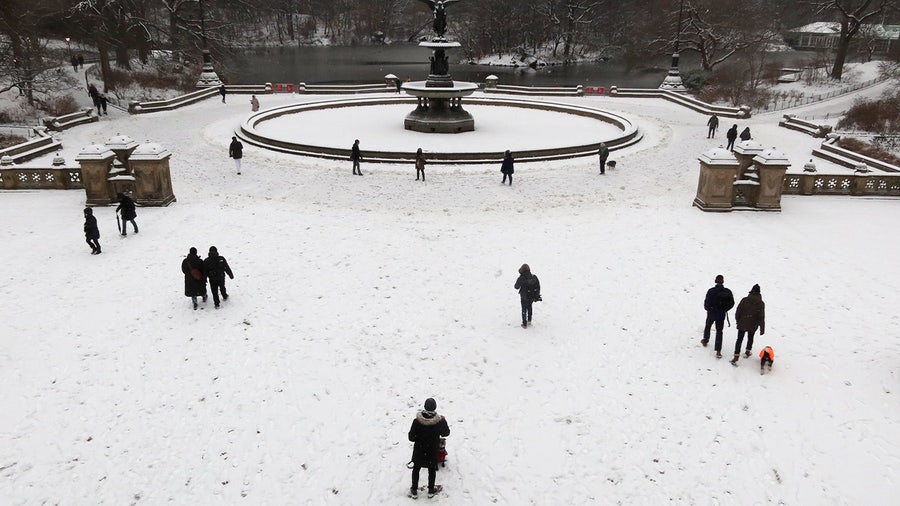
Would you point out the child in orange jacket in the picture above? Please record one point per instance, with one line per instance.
(766, 357)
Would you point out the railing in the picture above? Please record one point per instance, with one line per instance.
(795, 123)
(40, 178)
(65, 121)
(872, 185)
(536, 90)
(684, 100)
(42, 143)
(790, 101)
(829, 150)
(345, 88)
(193, 97)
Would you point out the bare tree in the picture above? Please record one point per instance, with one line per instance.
(851, 14)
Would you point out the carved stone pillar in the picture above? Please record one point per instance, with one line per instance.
(152, 180)
(715, 189)
(96, 162)
(771, 165)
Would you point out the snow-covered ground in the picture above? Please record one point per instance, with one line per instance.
(355, 298)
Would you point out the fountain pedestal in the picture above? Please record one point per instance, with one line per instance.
(439, 108)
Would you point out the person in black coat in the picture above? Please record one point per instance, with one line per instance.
(223, 92)
(603, 152)
(236, 151)
(426, 432)
(91, 231)
(713, 124)
(356, 157)
(745, 134)
(731, 135)
(717, 303)
(749, 316)
(194, 277)
(506, 168)
(529, 287)
(129, 213)
(216, 267)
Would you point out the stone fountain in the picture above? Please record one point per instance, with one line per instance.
(439, 108)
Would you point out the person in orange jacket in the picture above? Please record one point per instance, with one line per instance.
(766, 357)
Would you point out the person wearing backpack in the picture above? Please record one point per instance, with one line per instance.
(719, 300)
(216, 268)
(194, 277)
(529, 288)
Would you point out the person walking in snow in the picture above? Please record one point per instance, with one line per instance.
(719, 300)
(745, 134)
(236, 151)
(506, 168)
(223, 92)
(103, 102)
(731, 135)
(749, 316)
(713, 125)
(194, 277)
(91, 231)
(80, 59)
(426, 432)
(254, 103)
(420, 164)
(529, 287)
(356, 157)
(216, 267)
(129, 213)
(603, 152)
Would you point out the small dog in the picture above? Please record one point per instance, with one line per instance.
(766, 359)
(611, 164)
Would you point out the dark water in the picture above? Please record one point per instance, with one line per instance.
(368, 64)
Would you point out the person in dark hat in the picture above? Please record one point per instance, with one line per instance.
(717, 303)
(216, 267)
(194, 277)
(129, 213)
(507, 168)
(426, 432)
(529, 287)
(749, 316)
(91, 231)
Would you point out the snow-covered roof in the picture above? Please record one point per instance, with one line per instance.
(120, 141)
(718, 156)
(149, 151)
(772, 156)
(834, 28)
(95, 152)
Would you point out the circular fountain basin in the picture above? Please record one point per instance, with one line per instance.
(533, 129)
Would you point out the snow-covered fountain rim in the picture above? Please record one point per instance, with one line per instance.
(630, 133)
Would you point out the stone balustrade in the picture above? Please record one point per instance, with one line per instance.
(40, 178)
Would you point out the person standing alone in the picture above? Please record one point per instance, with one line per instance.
(426, 432)
(91, 231)
(603, 152)
(223, 92)
(129, 213)
(236, 151)
(749, 316)
(216, 268)
(356, 157)
(529, 287)
(506, 168)
(713, 125)
(420, 164)
(719, 300)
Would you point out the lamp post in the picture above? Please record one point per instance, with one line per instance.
(68, 47)
(673, 78)
(208, 76)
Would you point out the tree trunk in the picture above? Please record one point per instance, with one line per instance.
(105, 69)
(840, 55)
(174, 37)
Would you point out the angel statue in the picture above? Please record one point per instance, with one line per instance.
(440, 16)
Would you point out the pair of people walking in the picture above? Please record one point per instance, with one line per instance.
(732, 135)
(750, 316)
(198, 271)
